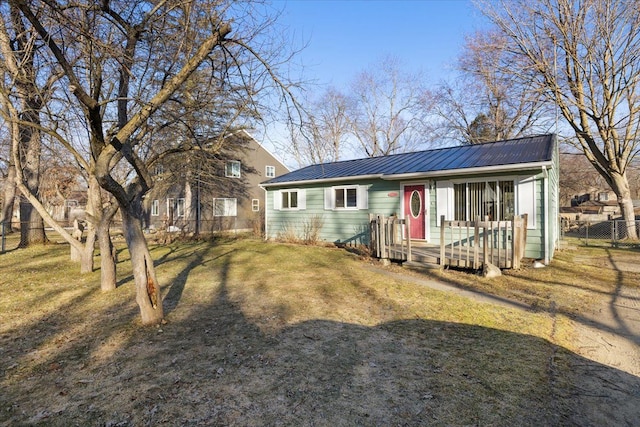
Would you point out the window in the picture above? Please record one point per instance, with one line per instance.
(232, 169)
(346, 198)
(270, 171)
(170, 209)
(255, 205)
(493, 199)
(352, 197)
(290, 199)
(155, 207)
(225, 207)
(180, 207)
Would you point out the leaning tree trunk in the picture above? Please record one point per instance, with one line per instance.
(147, 288)
(86, 256)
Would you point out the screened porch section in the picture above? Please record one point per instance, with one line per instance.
(493, 200)
(464, 244)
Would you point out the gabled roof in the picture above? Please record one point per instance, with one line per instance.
(521, 153)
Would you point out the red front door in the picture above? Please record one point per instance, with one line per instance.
(414, 209)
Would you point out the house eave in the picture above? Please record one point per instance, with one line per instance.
(319, 181)
(470, 171)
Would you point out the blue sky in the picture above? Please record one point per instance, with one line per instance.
(344, 37)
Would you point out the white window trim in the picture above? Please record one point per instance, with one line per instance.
(180, 208)
(270, 168)
(155, 207)
(170, 206)
(302, 199)
(255, 205)
(362, 197)
(232, 175)
(524, 196)
(229, 210)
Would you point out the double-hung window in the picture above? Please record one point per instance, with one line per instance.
(232, 169)
(270, 171)
(155, 207)
(225, 207)
(180, 207)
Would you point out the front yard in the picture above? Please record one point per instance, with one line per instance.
(275, 334)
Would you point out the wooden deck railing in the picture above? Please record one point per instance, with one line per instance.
(474, 243)
(388, 237)
(468, 244)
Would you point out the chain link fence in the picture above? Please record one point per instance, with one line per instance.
(606, 233)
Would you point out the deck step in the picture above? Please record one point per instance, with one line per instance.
(421, 266)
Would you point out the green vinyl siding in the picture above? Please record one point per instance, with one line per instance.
(338, 226)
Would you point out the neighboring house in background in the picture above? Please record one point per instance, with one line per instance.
(225, 197)
(499, 180)
(596, 205)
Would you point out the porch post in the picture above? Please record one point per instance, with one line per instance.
(443, 243)
(409, 258)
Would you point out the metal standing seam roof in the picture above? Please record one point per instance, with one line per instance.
(527, 150)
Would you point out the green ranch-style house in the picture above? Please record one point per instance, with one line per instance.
(495, 181)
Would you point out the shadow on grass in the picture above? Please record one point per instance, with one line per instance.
(623, 297)
(215, 366)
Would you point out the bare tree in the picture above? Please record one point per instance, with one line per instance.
(30, 76)
(8, 172)
(584, 56)
(486, 104)
(324, 134)
(153, 49)
(387, 109)
(29, 90)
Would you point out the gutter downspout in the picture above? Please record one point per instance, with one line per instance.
(266, 211)
(545, 233)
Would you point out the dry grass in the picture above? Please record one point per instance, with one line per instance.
(270, 334)
(570, 284)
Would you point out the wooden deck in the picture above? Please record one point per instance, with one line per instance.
(464, 244)
(455, 255)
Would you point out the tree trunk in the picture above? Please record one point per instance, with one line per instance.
(30, 147)
(148, 294)
(31, 225)
(100, 216)
(108, 280)
(86, 258)
(620, 186)
(6, 216)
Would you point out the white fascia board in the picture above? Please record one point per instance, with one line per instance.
(321, 181)
(469, 171)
